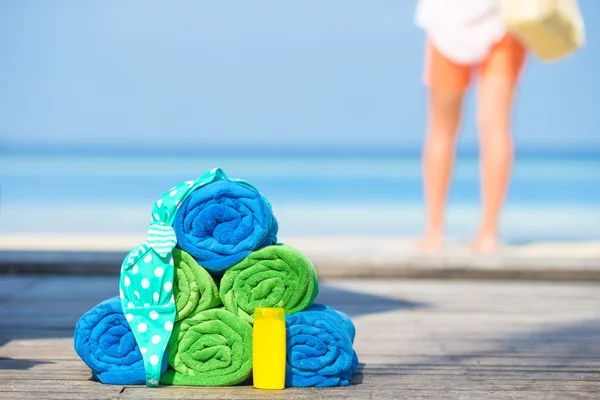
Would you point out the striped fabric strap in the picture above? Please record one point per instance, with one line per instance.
(161, 238)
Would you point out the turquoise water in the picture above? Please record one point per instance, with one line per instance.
(550, 198)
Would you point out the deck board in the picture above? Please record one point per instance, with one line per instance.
(415, 340)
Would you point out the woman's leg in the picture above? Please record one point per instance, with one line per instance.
(447, 83)
(495, 104)
(438, 161)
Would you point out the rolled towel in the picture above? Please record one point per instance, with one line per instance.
(274, 276)
(222, 222)
(104, 341)
(346, 322)
(194, 289)
(210, 348)
(319, 348)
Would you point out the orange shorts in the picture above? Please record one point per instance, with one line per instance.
(505, 59)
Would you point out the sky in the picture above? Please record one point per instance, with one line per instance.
(273, 74)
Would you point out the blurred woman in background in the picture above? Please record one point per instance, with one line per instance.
(466, 39)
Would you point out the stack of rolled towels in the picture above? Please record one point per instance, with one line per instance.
(227, 261)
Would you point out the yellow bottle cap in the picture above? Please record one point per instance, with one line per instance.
(263, 313)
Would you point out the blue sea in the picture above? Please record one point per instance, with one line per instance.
(552, 197)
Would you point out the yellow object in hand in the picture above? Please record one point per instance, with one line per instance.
(269, 348)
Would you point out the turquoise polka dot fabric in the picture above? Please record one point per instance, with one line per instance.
(148, 304)
(147, 273)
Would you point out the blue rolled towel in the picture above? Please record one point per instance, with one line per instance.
(319, 348)
(221, 223)
(346, 322)
(104, 341)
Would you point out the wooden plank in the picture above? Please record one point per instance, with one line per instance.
(56, 386)
(397, 376)
(59, 386)
(514, 363)
(76, 394)
(348, 393)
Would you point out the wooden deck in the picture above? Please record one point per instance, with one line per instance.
(415, 340)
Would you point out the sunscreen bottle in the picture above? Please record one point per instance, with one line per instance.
(268, 348)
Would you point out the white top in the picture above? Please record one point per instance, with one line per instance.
(462, 30)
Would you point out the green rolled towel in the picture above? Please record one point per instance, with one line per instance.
(210, 348)
(274, 276)
(193, 287)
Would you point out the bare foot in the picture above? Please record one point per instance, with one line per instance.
(484, 245)
(433, 243)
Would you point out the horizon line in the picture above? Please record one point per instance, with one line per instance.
(270, 151)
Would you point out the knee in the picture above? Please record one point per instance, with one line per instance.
(444, 125)
(491, 124)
